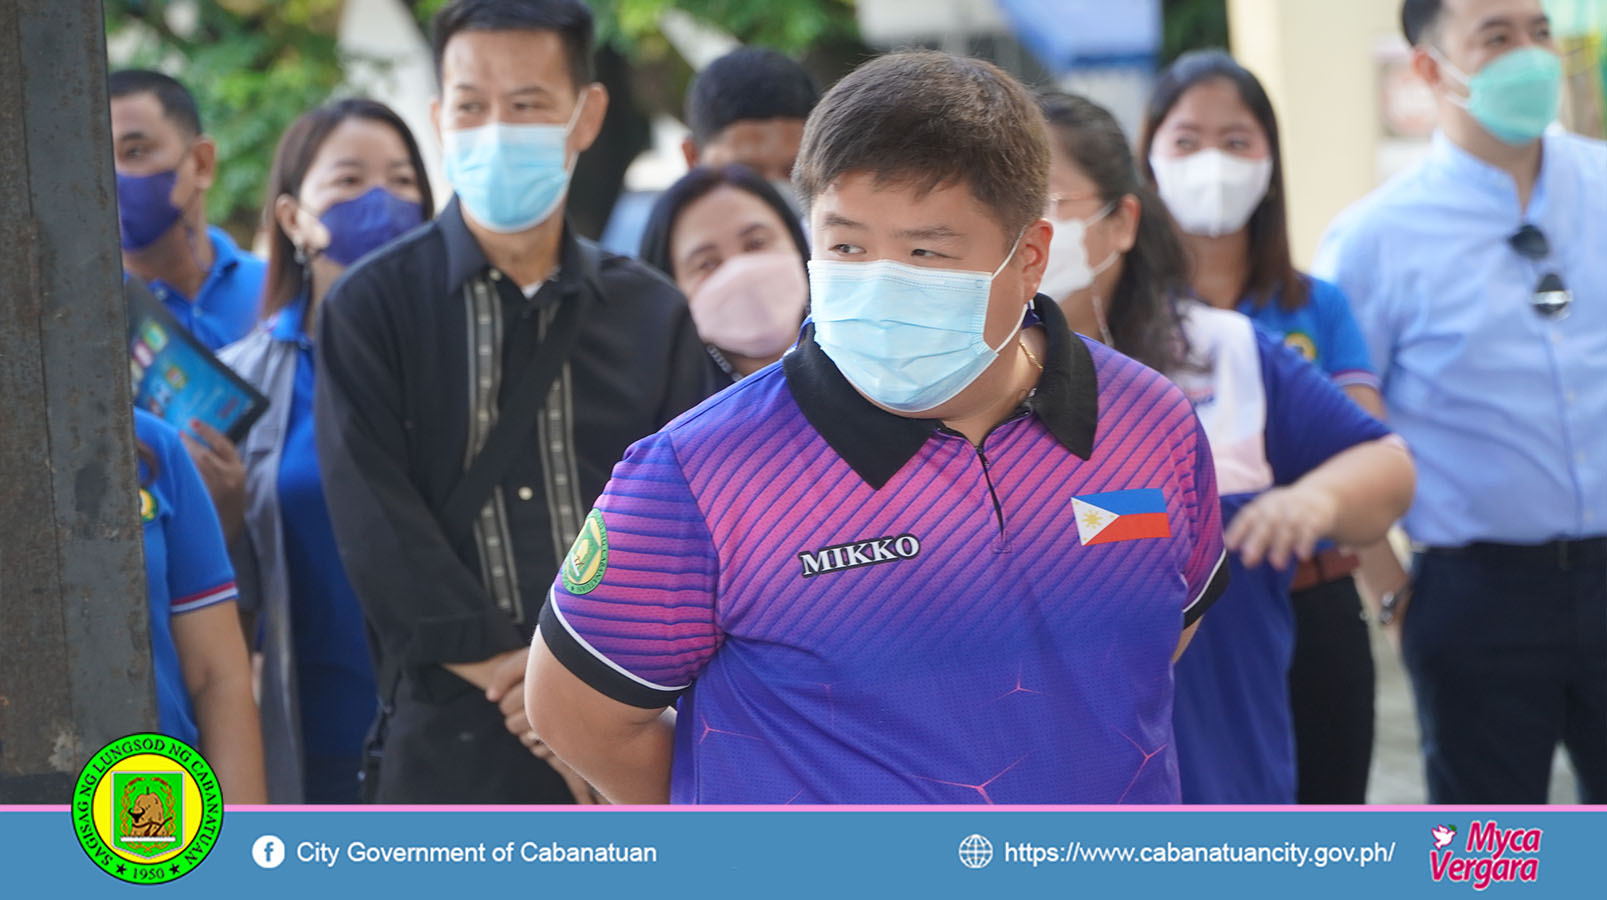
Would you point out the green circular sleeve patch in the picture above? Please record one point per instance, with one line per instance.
(588, 559)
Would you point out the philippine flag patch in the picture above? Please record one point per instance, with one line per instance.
(1121, 516)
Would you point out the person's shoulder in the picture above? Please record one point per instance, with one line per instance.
(394, 270)
(163, 440)
(1207, 326)
(249, 350)
(1120, 377)
(157, 434)
(625, 278)
(1325, 297)
(759, 401)
(1589, 153)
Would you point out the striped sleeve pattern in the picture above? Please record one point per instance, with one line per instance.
(203, 599)
(643, 631)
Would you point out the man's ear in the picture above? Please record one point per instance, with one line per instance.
(592, 114)
(1426, 67)
(205, 152)
(435, 117)
(689, 150)
(1034, 253)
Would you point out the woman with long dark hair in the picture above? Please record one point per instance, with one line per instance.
(1212, 146)
(347, 179)
(1295, 460)
(732, 245)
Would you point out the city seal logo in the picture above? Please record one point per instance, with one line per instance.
(147, 809)
(588, 559)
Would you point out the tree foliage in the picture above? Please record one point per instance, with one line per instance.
(1192, 25)
(253, 65)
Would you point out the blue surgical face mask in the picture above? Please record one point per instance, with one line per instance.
(366, 223)
(907, 337)
(145, 209)
(510, 177)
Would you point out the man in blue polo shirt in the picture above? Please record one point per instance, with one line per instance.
(213, 288)
(165, 164)
(946, 551)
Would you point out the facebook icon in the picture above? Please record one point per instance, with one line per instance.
(268, 851)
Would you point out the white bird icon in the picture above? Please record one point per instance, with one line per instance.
(1443, 835)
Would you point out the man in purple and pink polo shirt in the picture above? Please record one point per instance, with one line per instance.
(945, 551)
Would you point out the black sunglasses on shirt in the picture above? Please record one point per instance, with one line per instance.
(1551, 297)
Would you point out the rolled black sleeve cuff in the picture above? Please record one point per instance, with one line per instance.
(601, 675)
(1214, 588)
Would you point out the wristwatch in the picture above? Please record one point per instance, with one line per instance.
(1391, 604)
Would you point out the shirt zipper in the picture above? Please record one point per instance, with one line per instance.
(1001, 544)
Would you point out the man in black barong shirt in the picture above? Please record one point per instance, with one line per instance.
(422, 346)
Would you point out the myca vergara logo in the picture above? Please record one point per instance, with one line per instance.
(147, 809)
(1492, 854)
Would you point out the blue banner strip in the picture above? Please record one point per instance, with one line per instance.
(972, 853)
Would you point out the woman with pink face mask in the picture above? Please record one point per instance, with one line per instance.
(730, 243)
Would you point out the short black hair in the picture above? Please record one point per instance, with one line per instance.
(178, 104)
(570, 19)
(928, 119)
(746, 84)
(695, 185)
(1418, 18)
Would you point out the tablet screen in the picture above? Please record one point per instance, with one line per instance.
(178, 379)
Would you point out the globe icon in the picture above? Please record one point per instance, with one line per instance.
(976, 852)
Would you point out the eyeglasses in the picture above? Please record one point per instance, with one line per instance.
(1551, 297)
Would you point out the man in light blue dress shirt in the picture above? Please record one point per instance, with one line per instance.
(1479, 278)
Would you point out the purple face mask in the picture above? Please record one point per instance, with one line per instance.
(364, 224)
(145, 209)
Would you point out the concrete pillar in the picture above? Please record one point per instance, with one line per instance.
(75, 666)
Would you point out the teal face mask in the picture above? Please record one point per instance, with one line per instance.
(1516, 96)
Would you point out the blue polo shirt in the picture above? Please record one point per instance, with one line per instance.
(225, 309)
(338, 697)
(1271, 418)
(851, 606)
(1323, 331)
(186, 563)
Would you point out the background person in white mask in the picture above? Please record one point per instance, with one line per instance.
(734, 248)
(477, 381)
(1211, 144)
(1295, 461)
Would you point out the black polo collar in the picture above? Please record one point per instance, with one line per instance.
(465, 259)
(877, 443)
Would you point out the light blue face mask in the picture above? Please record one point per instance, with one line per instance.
(510, 177)
(907, 337)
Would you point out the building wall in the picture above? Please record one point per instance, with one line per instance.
(1320, 62)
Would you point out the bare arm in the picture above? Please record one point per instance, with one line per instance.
(212, 655)
(623, 750)
(1366, 397)
(1353, 498)
(1183, 644)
